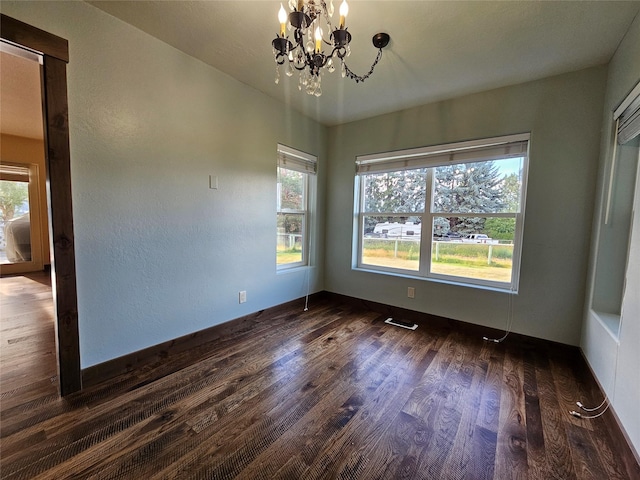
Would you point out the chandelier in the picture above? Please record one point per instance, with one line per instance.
(305, 54)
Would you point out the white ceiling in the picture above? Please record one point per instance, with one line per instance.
(438, 49)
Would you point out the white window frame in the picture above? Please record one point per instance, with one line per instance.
(496, 148)
(305, 163)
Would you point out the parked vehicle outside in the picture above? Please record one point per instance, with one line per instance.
(478, 238)
(406, 231)
(449, 237)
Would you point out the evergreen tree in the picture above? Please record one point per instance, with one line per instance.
(396, 192)
(468, 188)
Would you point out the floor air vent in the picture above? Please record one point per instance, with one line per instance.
(400, 323)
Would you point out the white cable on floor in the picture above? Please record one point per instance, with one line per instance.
(589, 417)
(579, 404)
(509, 321)
(605, 400)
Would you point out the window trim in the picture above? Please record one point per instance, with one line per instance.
(295, 160)
(511, 146)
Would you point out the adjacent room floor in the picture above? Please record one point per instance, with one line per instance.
(333, 392)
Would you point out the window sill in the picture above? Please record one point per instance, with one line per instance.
(298, 268)
(490, 288)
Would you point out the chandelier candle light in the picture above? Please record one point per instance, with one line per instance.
(305, 53)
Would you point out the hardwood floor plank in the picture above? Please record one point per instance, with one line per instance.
(489, 414)
(585, 456)
(469, 439)
(454, 393)
(315, 435)
(153, 402)
(301, 400)
(425, 395)
(536, 452)
(482, 466)
(284, 370)
(557, 449)
(368, 428)
(511, 455)
(611, 460)
(219, 363)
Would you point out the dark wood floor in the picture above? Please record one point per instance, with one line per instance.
(329, 393)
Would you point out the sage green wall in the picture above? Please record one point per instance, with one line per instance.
(563, 114)
(159, 254)
(615, 361)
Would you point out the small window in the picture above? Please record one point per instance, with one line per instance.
(451, 212)
(295, 172)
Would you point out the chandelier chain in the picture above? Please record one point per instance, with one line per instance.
(362, 78)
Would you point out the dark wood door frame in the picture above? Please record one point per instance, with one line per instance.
(55, 51)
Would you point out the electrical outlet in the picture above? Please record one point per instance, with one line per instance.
(411, 292)
(242, 296)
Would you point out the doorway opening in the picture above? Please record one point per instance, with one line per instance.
(24, 242)
(54, 52)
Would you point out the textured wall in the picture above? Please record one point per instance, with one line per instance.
(159, 254)
(563, 115)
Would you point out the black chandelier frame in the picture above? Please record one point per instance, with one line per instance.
(316, 60)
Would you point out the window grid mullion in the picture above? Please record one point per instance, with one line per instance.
(427, 227)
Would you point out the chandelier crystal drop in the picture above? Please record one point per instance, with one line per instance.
(307, 22)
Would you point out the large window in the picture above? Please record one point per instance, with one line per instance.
(450, 212)
(296, 171)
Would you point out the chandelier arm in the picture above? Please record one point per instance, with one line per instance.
(336, 52)
(362, 78)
